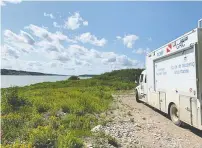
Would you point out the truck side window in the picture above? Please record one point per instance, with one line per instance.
(145, 79)
(141, 78)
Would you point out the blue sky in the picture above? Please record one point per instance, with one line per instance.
(89, 37)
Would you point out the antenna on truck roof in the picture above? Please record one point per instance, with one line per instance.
(200, 23)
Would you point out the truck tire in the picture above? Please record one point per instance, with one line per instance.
(137, 96)
(174, 115)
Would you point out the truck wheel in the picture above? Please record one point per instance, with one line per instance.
(137, 96)
(174, 115)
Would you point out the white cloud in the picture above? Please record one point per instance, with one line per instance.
(120, 61)
(19, 64)
(75, 21)
(142, 51)
(92, 39)
(85, 23)
(50, 46)
(34, 66)
(39, 32)
(50, 15)
(22, 37)
(54, 64)
(46, 35)
(8, 52)
(76, 59)
(128, 40)
(55, 24)
(3, 2)
(27, 37)
(62, 57)
(23, 41)
(118, 37)
(81, 56)
(34, 63)
(50, 55)
(95, 53)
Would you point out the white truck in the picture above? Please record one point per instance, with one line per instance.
(172, 81)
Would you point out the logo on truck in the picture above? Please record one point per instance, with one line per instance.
(181, 44)
(168, 49)
(160, 53)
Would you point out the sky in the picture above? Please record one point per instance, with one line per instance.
(89, 37)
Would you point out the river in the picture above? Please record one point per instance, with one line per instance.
(19, 80)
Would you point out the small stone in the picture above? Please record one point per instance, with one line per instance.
(132, 120)
(143, 118)
(96, 128)
(89, 146)
(157, 138)
(129, 113)
(136, 142)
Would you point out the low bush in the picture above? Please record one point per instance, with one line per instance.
(43, 136)
(75, 122)
(69, 141)
(13, 101)
(65, 108)
(38, 120)
(13, 127)
(43, 107)
(74, 78)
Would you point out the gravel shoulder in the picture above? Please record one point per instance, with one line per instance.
(135, 125)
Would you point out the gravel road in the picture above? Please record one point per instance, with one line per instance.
(135, 124)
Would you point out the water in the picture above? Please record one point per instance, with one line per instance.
(16, 80)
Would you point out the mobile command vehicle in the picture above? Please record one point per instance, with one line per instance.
(172, 81)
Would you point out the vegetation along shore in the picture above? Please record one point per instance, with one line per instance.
(59, 114)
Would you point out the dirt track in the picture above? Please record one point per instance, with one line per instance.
(138, 125)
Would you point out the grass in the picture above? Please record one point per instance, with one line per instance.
(56, 114)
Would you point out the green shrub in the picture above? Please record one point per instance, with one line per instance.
(38, 120)
(65, 108)
(54, 122)
(42, 107)
(18, 144)
(43, 137)
(13, 127)
(73, 121)
(69, 141)
(74, 78)
(13, 100)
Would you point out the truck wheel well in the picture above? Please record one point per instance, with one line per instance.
(169, 108)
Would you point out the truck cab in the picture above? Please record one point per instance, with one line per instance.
(141, 89)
